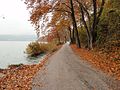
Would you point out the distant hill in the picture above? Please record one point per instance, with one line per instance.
(17, 37)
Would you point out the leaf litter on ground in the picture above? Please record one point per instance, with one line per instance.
(102, 61)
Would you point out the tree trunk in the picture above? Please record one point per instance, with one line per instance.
(73, 35)
(96, 18)
(75, 25)
(91, 33)
(58, 37)
(89, 37)
(100, 11)
(70, 35)
(94, 21)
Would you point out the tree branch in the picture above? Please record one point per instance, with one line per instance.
(100, 11)
(62, 10)
(66, 5)
(88, 15)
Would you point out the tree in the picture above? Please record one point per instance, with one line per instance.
(90, 17)
(75, 24)
(38, 11)
(60, 23)
(67, 10)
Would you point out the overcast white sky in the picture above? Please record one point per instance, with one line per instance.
(16, 18)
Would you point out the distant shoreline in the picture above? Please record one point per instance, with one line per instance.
(17, 37)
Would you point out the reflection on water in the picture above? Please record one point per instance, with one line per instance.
(12, 52)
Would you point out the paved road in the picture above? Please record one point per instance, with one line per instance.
(65, 71)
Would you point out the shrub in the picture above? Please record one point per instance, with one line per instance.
(14, 65)
(33, 49)
(36, 48)
(108, 32)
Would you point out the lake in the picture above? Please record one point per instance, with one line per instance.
(12, 52)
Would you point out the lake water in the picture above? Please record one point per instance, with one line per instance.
(12, 52)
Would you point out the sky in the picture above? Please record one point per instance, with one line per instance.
(16, 18)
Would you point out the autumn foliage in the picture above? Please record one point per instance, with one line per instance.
(100, 60)
(37, 48)
(90, 24)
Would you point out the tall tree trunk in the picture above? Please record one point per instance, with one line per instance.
(89, 37)
(73, 35)
(58, 37)
(75, 25)
(91, 33)
(70, 34)
(100, 11)
(94, 20)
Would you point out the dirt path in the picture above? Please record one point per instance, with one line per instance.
(65, 71)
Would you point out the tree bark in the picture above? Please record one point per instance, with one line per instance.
(73, 35)
(90, 28)
(94, 20)
(75, 25)
(89, 37)
(58, 37)
(70, 35)
(100, 11)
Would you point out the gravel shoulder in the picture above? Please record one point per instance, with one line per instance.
(66, 71)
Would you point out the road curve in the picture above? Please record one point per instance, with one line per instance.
(66, 71)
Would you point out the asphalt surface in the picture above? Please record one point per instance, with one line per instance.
(66, 71)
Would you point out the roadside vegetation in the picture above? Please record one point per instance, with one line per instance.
(37, 48)
(92, 25)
